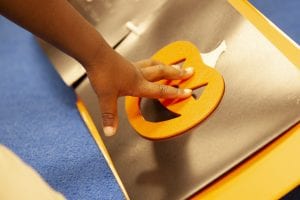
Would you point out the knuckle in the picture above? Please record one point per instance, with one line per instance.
(163, 90)
(150, 62)
(138, 87)
(133, 92)
(108, 118)
(179, 91)
(132, 87)
(161, 69)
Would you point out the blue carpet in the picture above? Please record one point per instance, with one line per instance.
(40, 122)
(285, 14)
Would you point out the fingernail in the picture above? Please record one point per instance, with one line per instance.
(187, 91)
(109, 131)
(176, 66)
(189, 70)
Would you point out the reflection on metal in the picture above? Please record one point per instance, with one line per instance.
(133, 28)
(261, 101)
(211, 58)
(110, 18)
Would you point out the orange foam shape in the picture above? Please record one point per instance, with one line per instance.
(191, 111)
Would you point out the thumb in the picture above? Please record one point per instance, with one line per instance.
(109, 113)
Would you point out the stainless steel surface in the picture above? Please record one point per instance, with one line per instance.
(110, 18)
(261, 101)
(183, 20)
(68, 68)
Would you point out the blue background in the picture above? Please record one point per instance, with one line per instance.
(39, 121)
(284, 13)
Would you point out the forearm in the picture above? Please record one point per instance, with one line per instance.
(58, 23)
(111, 75)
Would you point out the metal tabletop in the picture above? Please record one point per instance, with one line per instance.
(261, 101)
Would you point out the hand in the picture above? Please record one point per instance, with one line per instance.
(119, 77)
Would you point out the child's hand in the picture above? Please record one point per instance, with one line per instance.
(111, 75)
(119, 77)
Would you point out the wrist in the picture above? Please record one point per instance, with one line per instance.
(104, 57)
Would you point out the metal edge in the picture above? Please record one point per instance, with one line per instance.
(97, 138)
(279, 39)
(235, 183)
(267, 28)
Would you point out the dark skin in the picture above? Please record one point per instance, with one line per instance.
(110, 74)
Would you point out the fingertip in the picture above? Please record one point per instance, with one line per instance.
(109, 131)
(184, 93)
(188, 72)
(187, 91)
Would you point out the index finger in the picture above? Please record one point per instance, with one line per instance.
(147, 63)
(155, 90)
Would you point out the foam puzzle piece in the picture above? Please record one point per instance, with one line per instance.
(192, 111)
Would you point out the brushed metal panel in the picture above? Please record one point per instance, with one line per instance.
(261, 101)
(109, 17)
